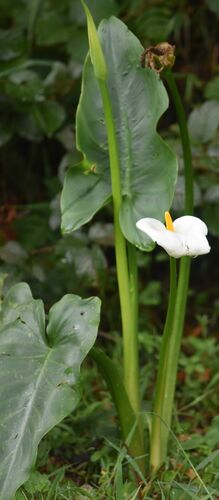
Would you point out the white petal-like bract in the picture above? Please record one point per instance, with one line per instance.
(187, 238)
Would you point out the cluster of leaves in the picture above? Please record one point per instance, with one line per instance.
(43, 46)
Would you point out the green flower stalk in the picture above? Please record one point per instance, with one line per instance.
(185, 237)
(126, 269)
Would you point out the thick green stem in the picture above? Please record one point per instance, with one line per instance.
(166, 382)
(164, 399)
(133, 279)
(130, 343)
(131, 393)
(159, 403)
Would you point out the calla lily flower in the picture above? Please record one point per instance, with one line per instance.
(184, 236)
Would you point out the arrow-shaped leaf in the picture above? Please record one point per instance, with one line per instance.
(39, 370)
(148, 166)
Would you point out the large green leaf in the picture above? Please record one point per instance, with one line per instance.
(203, 122)
(48, 116)
(39, 369)
(148, 166)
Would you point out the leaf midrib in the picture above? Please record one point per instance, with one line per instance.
(125, 170)
(25, 423)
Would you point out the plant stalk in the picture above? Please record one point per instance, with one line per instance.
(128, 314)
(170, 348)
(130, 342)
(133, 279)
(164, 399)
(157, 431)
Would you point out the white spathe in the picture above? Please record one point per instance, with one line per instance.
(188, 236)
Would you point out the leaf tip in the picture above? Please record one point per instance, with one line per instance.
(96, 52)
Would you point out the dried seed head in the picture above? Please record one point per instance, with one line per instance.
(158, 57)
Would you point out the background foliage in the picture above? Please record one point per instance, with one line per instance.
(43, 44)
